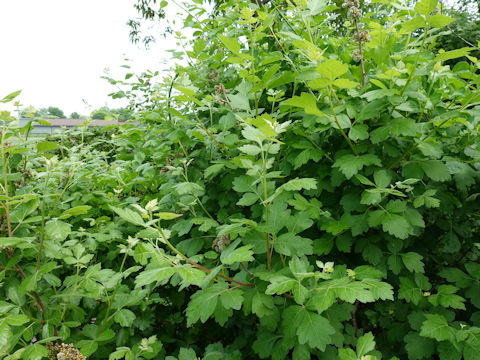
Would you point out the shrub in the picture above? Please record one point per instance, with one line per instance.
(290, 194)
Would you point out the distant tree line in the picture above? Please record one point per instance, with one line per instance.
(53, 112)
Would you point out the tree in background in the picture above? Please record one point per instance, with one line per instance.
(75, 115)
(465, 31)
(55, 111)
(105, 113)
(47, 113)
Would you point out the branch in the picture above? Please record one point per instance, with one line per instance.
(360, 53)
(354, 318)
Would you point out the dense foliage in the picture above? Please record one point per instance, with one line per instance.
(289, 194)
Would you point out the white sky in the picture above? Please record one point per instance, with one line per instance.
(55, 51)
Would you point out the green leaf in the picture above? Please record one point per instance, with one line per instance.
(205, 223)
(250, 149)
(77, 210)
(354, 291)
(307, 102)
(439, 20)
(306, 155)
(129, 215)
(413, 24)
(57, 230)
(191, 276)
(88, 347)
(335, 227)
(187, 354)
(167, 215)
(345, 83)
(358, 132)
(232, 255)
(325, 296)
(372, 110)
(382, 178)
(365, 344)
(413, 262)
(248, 199)
(161, 274)
(232, 299)
(453, 54)
(299, 222)
(350, 164)
(418, 347)
(292, 245)
(347, 354)
(124, 317)
(425, 7)
(230, 43)
(120, 353)
(10, 96)
(17, 320)
(294, 185)
(265, 343)
(414, 218)
(448, 352)
(446, 297)
(395, 225)
(244, 184)
(35, 352)
(379, 289)
(319, 83)
(21, 243)
(203, 303)
(213, 170)
(44, 146)
(299, 184)
(436, 170)
(371, 197)
(364, 180)
(184, 188)
(436, 327)
(409, 291)
(282, 284)
(332, 69)
(311, 328)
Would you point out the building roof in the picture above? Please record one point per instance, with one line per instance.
(77, 122)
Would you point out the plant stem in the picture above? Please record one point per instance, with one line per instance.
(220, 145)
(361, 53)
(109, 306)
(338, 124)
(9, 224)
(190, 261)
(246, 270)
(414, 68)
(42, 229)
(70, 295)
(265, 194)
(203, 207)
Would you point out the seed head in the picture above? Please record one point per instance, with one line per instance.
(61, 351)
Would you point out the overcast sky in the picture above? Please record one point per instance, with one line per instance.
(55, 51)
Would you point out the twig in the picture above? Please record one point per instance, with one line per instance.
(198, 266)
(360, 52)
(22, 274)
(339, 126)
(248, 271)
(461, 38)
(354, 318)
(10, 234)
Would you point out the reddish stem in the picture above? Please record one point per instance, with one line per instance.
(17, 267)
(361, 53)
